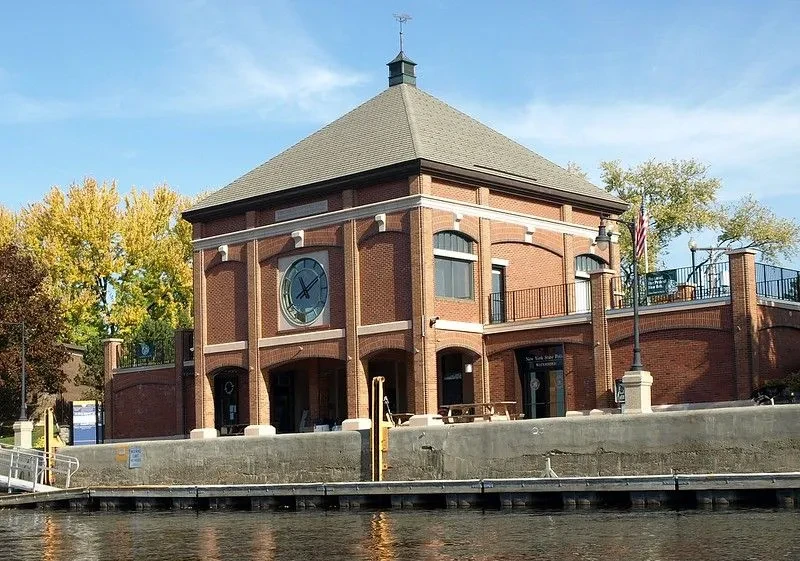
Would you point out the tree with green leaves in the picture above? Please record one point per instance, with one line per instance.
(681, 197)
(23, 298)
(114, 261)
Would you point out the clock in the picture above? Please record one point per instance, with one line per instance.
(304, 291)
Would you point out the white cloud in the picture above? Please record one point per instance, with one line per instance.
(753, 147)
(251, 59)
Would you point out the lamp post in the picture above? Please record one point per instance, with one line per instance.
(23, 408)
(603, 240)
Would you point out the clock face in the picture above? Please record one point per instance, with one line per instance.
(304, 291)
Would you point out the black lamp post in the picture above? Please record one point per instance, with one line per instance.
(603, 241)
(23, 408)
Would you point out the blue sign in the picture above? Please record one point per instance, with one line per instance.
(85, 421)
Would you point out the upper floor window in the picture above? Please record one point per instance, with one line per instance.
(454, 256)
(586, 263)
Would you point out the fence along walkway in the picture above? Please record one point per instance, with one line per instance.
(23, 469)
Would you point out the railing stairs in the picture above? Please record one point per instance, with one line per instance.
(23, 469)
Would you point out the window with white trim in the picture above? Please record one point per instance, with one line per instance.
(454, 258)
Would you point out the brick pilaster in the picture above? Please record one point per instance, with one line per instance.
(568, 261)
(203, 397)
(178, 377)
(111, 355)
(744, 308)
(258, 394)
(601, 348)
(480, 375)
(425, 395)
(356, 382)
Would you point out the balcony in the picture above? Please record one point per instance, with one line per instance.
(673, 285)
(542, 302)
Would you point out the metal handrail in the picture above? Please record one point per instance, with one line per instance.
(35, 466)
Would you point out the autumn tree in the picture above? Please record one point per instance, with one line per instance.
(23, 298)
(8, 226)
(114, 261)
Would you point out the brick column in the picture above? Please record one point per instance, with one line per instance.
(480, 374)
(601, 348)
(203, 396)
(112, 349)
(258, 393)
(568, 260)
(744, 308)
(178, 378)
(356, 377)
(425, 396)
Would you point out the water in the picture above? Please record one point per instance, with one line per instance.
(415, 535)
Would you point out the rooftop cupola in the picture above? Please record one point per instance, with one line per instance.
(401, 70)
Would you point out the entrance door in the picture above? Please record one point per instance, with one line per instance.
(541, 371)
(498, 300)
(451, 367)
(282, 401)
(226, 400)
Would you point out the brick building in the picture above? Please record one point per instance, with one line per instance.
(407, 240)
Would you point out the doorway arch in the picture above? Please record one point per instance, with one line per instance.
(231, 406)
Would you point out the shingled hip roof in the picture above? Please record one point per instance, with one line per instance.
(402, 124)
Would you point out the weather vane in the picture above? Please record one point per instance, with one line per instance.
(401, 18)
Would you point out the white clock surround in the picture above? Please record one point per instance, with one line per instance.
(284, 263)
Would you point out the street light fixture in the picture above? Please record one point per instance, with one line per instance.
(603, 241)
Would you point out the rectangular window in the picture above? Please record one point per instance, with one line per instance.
(453, 278)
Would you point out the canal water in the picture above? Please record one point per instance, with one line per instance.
(415, 535)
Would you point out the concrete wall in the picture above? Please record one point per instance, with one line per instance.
(312, 457)
(745, 439)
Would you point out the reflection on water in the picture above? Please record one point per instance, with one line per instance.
(394, 536)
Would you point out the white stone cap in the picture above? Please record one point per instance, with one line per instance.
(356, 424)
(203, 434)
(259, 430)
(741, 250)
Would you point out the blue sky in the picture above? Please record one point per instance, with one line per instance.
(195, 93)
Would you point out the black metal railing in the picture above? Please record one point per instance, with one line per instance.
(777, 282)
(542, 302)
(673, 285)
(136, 354)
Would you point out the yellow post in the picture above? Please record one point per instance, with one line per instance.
(379, 430)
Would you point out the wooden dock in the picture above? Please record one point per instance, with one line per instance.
(780, 490)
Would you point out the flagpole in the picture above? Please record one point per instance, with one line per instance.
(646, 256)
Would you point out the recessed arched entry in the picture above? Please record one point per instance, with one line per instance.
(394, 366)
(308, 394)
(455, 375)
(230, 394)
(541, 375)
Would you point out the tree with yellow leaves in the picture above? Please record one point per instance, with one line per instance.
(114, 261)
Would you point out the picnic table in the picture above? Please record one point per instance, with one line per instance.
(470, 412)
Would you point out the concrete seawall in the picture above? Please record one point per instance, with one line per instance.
(735, 440)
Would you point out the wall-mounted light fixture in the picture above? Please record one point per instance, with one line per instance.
(381, 220)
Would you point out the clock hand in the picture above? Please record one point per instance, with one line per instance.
(312, 283)
(304, 289)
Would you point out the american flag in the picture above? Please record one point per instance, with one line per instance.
(641, 232)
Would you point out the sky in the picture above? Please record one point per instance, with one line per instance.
(195, 93)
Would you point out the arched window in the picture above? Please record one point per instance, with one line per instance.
(586, 263)
(454, 256)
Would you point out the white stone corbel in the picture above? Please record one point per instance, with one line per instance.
(614, 237)
(381, 220)
(593, 248)
(457, 218)
(529, 231)
(223, 252)
(299, 238)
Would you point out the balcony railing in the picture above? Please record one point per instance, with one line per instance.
(542, 302)
(673, 285)
(137, 354)
(777, 282)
